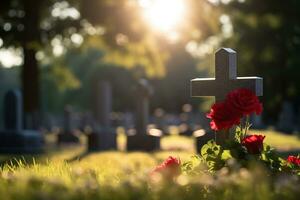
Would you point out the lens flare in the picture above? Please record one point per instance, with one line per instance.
(163, 15)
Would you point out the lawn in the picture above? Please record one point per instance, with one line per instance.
(73, 174)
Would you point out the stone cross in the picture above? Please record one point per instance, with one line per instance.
(225, 80)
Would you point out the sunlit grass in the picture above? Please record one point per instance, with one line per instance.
(71, 173)
(282, 142)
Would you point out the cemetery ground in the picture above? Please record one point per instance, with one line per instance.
(70, 173)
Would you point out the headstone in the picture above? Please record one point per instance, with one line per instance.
(202, 137)
(14, 139)
(142, 139)
(68, 135)
(286, 121)
(256, 122)
(159, 121)
(103, 136)
(86, 121)
(187, 120)
(128, 120)
(225, 81)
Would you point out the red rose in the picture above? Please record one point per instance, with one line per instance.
(244, 101)
(222, 117)
(253, 143)
(170, 167)
(294, 160)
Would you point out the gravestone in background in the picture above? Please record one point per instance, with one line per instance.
(103, 136)
(68, 135)
(159, 121)
(202, 137)
(186, 127)
(142, 139)
(225, 81)
(14, 139)
(256, 122)
(286, 121)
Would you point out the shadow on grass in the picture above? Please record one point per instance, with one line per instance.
(78, 157)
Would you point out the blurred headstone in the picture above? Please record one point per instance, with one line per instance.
(142, 138)
(14, 139)
(187, 120)
(286, 121)
(103, 136)
(128, 120)
(202, 137)
(159, 120)
(68, 135)
(256, 121)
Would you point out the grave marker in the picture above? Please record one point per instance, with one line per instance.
(159, 120)
(187, 120)
(14, 139)
(143, 139)
(225, 81)
(103, 136)
(68, 135)
(286, 120)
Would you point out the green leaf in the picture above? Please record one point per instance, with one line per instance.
(226, 155)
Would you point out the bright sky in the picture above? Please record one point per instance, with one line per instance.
(163, 15)
(10, 57)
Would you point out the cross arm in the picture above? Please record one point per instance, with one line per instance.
(254, 84)
(203, 87)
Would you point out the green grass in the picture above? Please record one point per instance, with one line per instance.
(70, 173)
(280, 141)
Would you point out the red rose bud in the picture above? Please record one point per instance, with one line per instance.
(170, 167)
(222, 117)
(253, 143)
(244, 102)
(294, 160)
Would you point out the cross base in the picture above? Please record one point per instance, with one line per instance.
(143, 143)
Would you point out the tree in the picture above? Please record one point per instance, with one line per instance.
(29, 25)
(32, 25)
(267, 33)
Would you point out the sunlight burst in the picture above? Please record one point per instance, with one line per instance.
(163, 15)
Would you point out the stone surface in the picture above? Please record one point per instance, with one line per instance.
(142, 139)
(68, 135)
(159, 121)
(202, 137)
(287, 118)
(102, 140)
(256, 122)
(14, 139)
(187, 117)
(225, 80)
(103, 136)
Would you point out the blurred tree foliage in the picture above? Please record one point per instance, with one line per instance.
(114, 27)
(87, 69)
(31, 25)
(267, 37)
